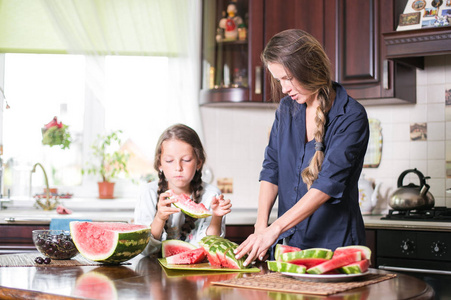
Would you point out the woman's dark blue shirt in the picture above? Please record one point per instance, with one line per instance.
(338, 222)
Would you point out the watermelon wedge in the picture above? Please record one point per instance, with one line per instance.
(187, 258)
(307, 253)
(173, 247)
(307, 262)
(220, 252)
(365, 251)
(189, 207)
(355, 268)
(281, 249)
(109, 242)
(279, 266)
(334, 263)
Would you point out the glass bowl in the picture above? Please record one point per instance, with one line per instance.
(56, 244)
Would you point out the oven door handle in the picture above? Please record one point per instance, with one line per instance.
(413, 270)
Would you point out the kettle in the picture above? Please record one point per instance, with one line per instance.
(412, 196)
(368, 195)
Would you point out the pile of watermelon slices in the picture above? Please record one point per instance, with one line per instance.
(345, 260)
(217, 250)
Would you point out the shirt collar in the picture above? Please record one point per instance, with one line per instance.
(341, 100)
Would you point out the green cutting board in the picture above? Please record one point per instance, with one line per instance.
(204, 267)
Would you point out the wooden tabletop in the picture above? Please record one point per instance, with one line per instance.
(145, 278)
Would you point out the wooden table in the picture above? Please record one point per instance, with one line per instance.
(144, 278)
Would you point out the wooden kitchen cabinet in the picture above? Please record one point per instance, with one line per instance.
(351, 32)
(18, 238)
(231, 68)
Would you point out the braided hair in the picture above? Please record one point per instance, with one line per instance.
(188, 135)
(303, 57)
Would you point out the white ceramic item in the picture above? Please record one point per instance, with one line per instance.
(368, 195)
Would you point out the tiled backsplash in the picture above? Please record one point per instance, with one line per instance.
(235, 140)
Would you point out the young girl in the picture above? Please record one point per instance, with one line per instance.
(179, 158)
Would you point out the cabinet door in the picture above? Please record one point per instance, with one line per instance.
(231, 67)
(361, 66)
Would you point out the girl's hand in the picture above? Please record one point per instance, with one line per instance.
(220, 206)
(164, 208)
(257, 244)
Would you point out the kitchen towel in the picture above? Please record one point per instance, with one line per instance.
(277, 282)
(63, 224)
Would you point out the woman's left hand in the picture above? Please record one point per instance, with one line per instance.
(220, 206)
(257, 244)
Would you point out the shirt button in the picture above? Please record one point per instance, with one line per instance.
(295, 188)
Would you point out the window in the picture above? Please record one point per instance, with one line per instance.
(39, 87)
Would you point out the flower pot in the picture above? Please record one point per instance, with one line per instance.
(106, 190)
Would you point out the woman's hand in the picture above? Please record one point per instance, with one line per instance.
(164, 208)
(257, 244)
(220, 206)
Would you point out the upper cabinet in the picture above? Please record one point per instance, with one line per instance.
(351, 32)
(232, 41)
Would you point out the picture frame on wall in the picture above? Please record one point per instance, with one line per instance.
(418, 5)
(409, 19)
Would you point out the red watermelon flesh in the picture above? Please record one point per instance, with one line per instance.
(334, 263)
(365, 251)
(187, 258)
(308, 262)
(173, 247)
(281, 249)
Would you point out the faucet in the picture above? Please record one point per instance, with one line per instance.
(48, 204)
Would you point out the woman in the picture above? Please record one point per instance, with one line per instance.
(314, 156)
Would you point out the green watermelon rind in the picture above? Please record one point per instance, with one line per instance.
(335, 263)
(281, 249)
(279, 266)
(128, 245)
(212, 244)
(175, 243)
(355, 268)
(307, 253)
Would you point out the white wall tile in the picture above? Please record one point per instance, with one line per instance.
(436, 150)
(435, 131)
(436, 113)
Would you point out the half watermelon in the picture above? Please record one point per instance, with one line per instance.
(109, 242)
(188, 206)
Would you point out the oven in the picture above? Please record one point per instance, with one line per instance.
(425, 254)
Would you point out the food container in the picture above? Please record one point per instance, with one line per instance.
(56, 244)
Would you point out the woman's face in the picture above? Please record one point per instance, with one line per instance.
(290, 85)
(179, 164)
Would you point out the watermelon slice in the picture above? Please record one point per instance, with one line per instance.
(281, 249)
(307, 253)
(173, 247)
(355, 268)
(109, 242)
(279, 266)
(334, 263)
(365, 251)
(307, 262)
(220, 252)
(187, 258)
(189, 207)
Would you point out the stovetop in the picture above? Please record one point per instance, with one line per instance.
(438, 214)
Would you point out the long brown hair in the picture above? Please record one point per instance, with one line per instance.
(304, 59)
(188, 135)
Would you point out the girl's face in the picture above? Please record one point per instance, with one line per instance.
(290, 85)
(179, 164)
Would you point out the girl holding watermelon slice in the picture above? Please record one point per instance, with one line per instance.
(179, 158)
(314, 156)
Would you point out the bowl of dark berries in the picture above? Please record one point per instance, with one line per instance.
(54, 244)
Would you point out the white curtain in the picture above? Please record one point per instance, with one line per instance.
(136, 27)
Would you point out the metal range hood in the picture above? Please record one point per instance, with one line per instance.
(412, 46)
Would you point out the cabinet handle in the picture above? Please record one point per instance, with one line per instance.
(428, 271)
(385, 79)
(258, 80)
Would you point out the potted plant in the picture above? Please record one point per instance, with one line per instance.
(109, 162)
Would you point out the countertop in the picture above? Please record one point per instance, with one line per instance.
(145, 278)
(121, 210)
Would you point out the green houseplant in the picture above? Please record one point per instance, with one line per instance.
(109, 162)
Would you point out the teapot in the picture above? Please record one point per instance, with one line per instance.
(412, 196)
(368, 195)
